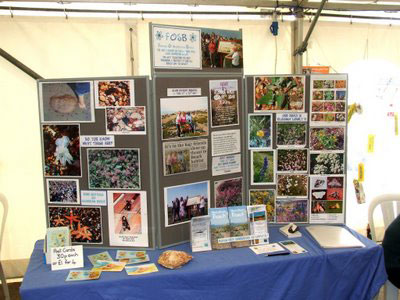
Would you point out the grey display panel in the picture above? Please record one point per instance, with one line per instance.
(250, 101)
(141, 142)
(161, 82)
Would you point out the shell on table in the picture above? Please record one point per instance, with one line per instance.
(172, 259)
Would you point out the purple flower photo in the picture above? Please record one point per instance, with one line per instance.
(114, 168)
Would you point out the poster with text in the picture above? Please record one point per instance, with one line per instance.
(226, 164)
(224, 102)
(176, 47)
(127, 218)
(225, 142)
(185, 156)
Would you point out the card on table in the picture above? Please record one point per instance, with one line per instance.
(293, 247)
(142, 269)
(130, 254)
(100, 256)
(269, 249)
(136, 260)
(108, 266)
(83, 275)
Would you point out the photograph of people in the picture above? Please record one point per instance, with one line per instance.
(221, 48)
(182, 202)
(184, 117)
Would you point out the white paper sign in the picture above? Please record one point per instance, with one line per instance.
(291, 117)
(94, 198)
(174, 92)
(225, 142)
(176, 48)
(226, 164)
(66, 258)
(97, 141)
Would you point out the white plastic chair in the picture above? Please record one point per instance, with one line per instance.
(390, 207)
(3, 201)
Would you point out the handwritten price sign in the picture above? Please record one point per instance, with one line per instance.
(66, 258)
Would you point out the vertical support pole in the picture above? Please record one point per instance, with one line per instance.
(131, 57)
(297, 40)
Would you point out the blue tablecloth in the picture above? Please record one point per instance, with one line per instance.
(339, 274)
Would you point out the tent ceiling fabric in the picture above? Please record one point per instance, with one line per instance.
(349, 5)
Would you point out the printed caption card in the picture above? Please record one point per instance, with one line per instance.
(66, 258)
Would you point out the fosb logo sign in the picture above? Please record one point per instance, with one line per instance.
(173, 37)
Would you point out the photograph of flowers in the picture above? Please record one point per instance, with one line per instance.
(114, 168)
(62, 151)
(327, 138)
(292, 185)
(291, 134)
(262, 167)
(291, 211)
(63, 191)
(266, 197)
(328, 103)
(228, 192)
(260, 131)
(326, 163)
(292, 160)
(279, 93)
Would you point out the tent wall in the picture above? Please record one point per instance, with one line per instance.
(59, 48)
